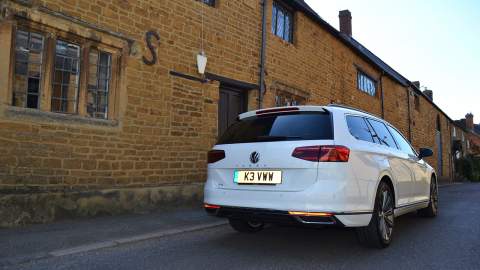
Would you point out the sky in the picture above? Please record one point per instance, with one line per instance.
(436, 42)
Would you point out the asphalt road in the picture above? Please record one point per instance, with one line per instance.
(450, 241)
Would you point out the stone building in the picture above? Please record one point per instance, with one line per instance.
(470, 136)
(103, 110)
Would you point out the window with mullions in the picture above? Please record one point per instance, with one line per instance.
(209, 2)
(366, 84)
(100, 66)
(66, 77)
(81, 77)
(28, 69)
(282, 22)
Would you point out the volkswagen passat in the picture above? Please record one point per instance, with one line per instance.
(314, 166)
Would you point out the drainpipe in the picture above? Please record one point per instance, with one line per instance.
(409, 115)
(261, 89)
(381, 94)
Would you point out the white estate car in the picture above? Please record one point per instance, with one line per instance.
(318, 165)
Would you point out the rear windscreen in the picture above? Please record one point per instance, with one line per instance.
(280, 127)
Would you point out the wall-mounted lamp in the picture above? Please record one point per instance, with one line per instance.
(201, 62)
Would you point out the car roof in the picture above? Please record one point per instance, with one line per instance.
(310, 108)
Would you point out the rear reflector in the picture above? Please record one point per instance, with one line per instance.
(279, 110)
(215, 155)
(211, 206)
(324, 153)
(309, 214)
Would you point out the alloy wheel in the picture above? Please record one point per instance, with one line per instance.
(255, 224)
(385, 215)
(434, 195)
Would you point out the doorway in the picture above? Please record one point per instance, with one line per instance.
(438, 142)
(233, 101)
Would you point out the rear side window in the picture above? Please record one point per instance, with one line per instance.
(280, 127)
(359, 129)
(382, 133)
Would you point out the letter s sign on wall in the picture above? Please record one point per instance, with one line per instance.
(148, 39)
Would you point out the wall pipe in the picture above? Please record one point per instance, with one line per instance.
(261, 84)
(381, 94)
(409, 115)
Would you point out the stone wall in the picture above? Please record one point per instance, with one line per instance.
(164, 125)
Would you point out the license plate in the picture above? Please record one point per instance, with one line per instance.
(258, 177)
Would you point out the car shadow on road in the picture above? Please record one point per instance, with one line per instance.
(335, 246)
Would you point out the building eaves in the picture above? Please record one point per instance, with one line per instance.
(476, 128)
(461, 125)
(360, 50)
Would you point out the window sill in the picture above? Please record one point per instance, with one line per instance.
(19, 113)
(283, 41)
(376, 96)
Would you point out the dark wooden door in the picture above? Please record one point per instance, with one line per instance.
(232, 103)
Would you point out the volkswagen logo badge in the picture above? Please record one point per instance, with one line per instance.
(255, 157)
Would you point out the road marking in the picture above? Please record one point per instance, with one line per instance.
(131, 239)
(83, 248)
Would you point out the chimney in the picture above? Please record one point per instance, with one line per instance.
(345, 22)
(429, 94)
(417, 84)
(469, 121)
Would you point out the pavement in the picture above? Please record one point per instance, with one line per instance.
(22, 245)
(189, 239)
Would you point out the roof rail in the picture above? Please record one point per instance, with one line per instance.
(352, 108)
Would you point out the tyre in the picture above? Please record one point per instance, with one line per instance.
(244, 226)
(432, 209)
(378, 234)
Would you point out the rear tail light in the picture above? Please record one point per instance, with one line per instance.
(309, 153)
(215, 155)
(334, 154)
(324, 153)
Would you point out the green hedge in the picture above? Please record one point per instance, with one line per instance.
(469, 168)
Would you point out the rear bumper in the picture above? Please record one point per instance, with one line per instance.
(287, 218)
(351, 206)
(271, 216)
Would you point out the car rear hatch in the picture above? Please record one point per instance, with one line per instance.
(273, 151)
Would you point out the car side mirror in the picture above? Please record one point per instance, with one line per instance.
(425, 152)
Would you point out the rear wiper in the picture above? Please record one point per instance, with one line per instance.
(277, 138)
